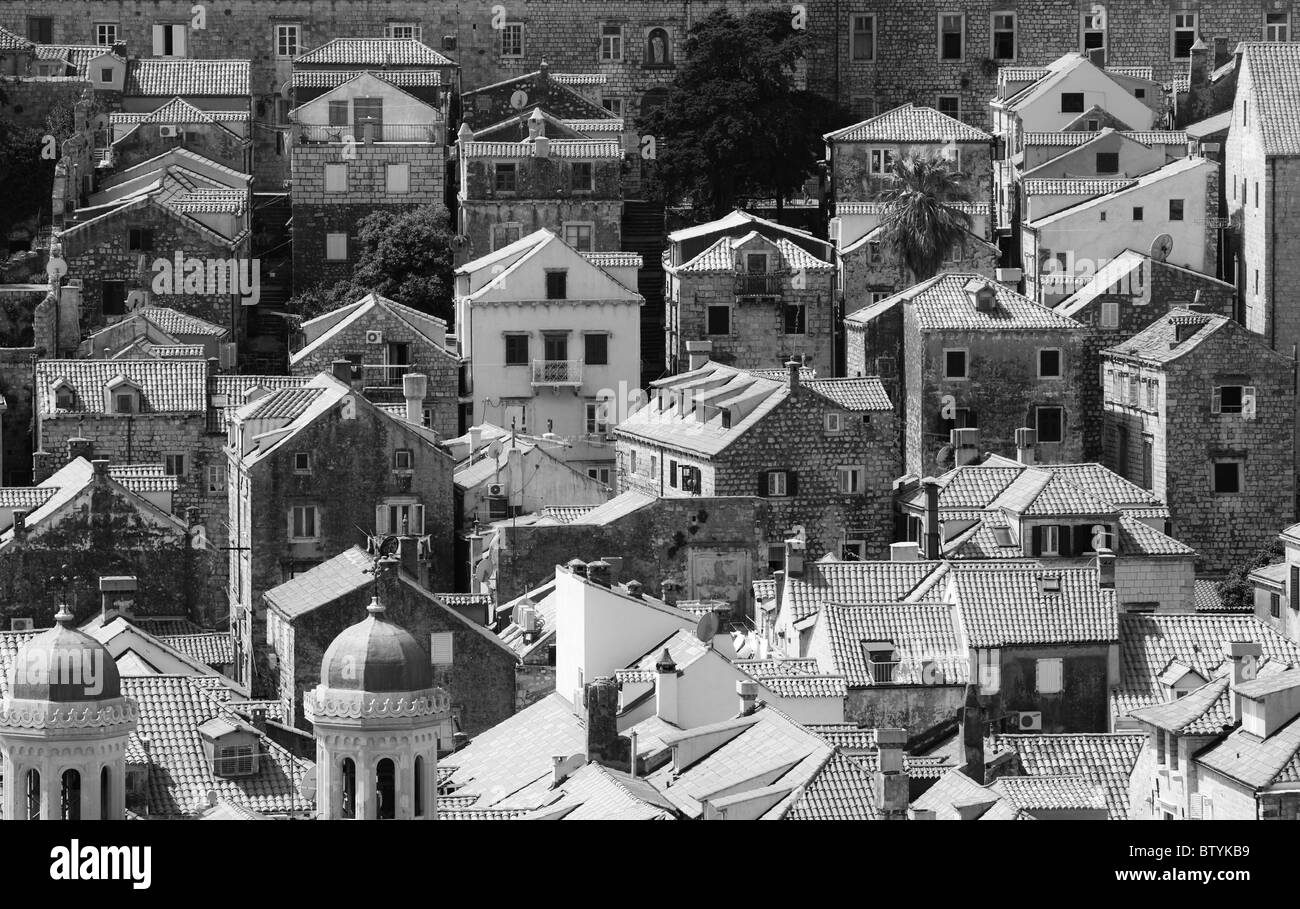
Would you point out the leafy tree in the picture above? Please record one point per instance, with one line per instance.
(27, 178)
(404, 255)
(920, 221)
(1235, 590)
(733, 125)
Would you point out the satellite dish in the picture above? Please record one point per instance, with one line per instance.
(388, 546)
(307, 787)
(707, 627)
(1161, 246)
(56, 267)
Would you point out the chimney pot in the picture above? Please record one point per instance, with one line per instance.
(904, 552)
(20, 523)
(933, 537)
(698, 353)
(101, 467)
(1105, 569)
(748, 691)
(634, 589)
(666, 688)
(414, 387)
(1245, 662)
(598, 572)
(793, 366)
(1026, 445)
(577, 567)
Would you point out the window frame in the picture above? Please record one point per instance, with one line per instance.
(965, 364)
(1177, 209)
(1056, 675)
(778, 484)
(516, 337)
(116, 33)
(1175, 28)
(402, 167)
(799, 309)
(1038, 410)
(940, 34)
(301, 463)
(856, 476)
(587, 167)
(403, 460)
(416, 29)
(578, 226)
(557, 284)
(505, 227)
(283, 31)
(332, 240)
(1285, 26)
(1240, 469)
(612, 42)
(294, 523)
(618, 102)
(1060, 363)
(855, 32)
(501, 169)
(881, 162)
(215, 475)
(587, 337)
(513, 50)
(169, 466)
(595, 416)
(1083, 102)
(938, 105)
(709, 316)
(332, 182)
(1088, 26)
(994, 31)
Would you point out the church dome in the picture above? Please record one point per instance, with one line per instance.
(376, 656)
(64, 665)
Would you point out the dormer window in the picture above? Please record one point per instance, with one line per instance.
(230, 746)
(756, 263)
(123, 396)
(64, 397)
(983, 296)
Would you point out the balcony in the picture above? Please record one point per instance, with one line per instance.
(557, 373)
(385, 375)
(758, 285)
(315, 134)
(882, 673)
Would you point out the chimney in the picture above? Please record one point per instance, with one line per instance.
(904, 552)
(536, 124)
(1245, 663)
(101, 468)
(891, 779)
(20, 524)
(563, 767)
(601, 700)
(615, 564)
(475, 438)
(1027, 446)
(577, 567)
(117, 597)
(541, 147)
(932, 534)
(666, 688)
(793, 366)
(259, 718)
(1199, 70)
(544, 70)
(669, 589)
(79, 447)
(972, 735)
(698, 353)
(598, 572)
(634, 589)
(748, 691)
(342, 370)
(794, 553)
(1105, 569)
(778, 580)
(965, 445)
(414, 387)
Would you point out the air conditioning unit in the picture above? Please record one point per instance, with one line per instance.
(496, 489)
(1030, 721)
(374, 337)
(169, 132)
(22, 624)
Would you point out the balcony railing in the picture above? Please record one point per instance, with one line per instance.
(883, 673)
(385, 375)
(308, 133)
(557, 372)
(758, 285)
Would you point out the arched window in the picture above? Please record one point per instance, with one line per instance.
(419, 787)
(658, 48)
(385, 797)
(105, 795)
(349, 788)
(70, 796)
(33, 795)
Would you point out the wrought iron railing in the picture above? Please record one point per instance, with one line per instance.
(557, 372)
(758, 285)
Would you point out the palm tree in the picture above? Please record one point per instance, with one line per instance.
(920, 220)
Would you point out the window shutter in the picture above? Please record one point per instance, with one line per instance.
(1216, 405)
(1207, 808)
(1036, 541)
(440, 648)
(417, 519)
(1066, 540)
(159, 40)
(791, 483)
(762, 483)
(1249, 406)
(672, 473)
(381, 519)
(1293, 592)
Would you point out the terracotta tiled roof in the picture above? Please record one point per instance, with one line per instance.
(1205, 711)
(167, 626)
(185, 77)
(942, 303)
(1003, 606)
(175, 322)
(1275, 75)
(596, 793)
(215, 648)
(10, 41)
(809, 686)
(919, 633)
(1159, 343)
(956, 788)
(910, 123)
(178, 110)
(841, 791)
(1255, 762)
(721, 256)
(854, 582)
(26, 497)
(1084, 186)
(1081, 137)
(373, 52)
(566, 513)
(171, 711)
(778, 667)
(332, 78)
(1050, 793)
(481, 814)
(858, 395)
(1207, 599)
(285, 404)
(1136, 537)
(1104, 758)
(166, 386)
(143, 478)
(580, 78)
(336, 577)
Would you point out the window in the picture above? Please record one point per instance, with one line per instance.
(611, 43)
(597, 421)
(1175, 209)
(719, 320)
(336, 247)
(795, 318)
(1071, 102)
(863, 38)
(613, 105)
(950, 105)
(441, 648)
(1050, 423)
(139, 239)
(557, 284)
(1107, 162)
(505, 234)
(1277, 26)
(580, 177)
(503, 178)
(40, 29)
(1049, 676)
(216, 479)
(349, 775)
(512, 39)
(398, 178)
(286, 40)
(113, 297)
(403, 459)
(124, 402)
(1230, 398)
(70, 796)
(169, 39)
(952, 29)
(1049, 363)
(882, 161)
(595, 350)
(579, 235)
(336, 178)
(1182, 35)
(1173, 751)
(1227, 477)
(1160, 747)
(954, 364)
(1138, 213)
(236, 760)
(778, 483)
(402, 30)
(1004, 36)
(1148, 462)
(516, 350)
(599, 474)
(1050, 539)
(1256, 195)
(106, 74)
(302, 523)
(850, 480)
(756, 263)
(302, 462)
(1092, 36)
(174, 465)
(106, 33)
(853, 551)
(833, 422)
(400, 518)
(1275, 605)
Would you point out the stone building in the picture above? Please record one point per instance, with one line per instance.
(1200, 411)
(223, 136)
(1119, 299)
(1262, 169)
(364, 145)
(962, 354)
(313, 471)
(305, 613)
(823, 452)
(153, 327)
(384, 340)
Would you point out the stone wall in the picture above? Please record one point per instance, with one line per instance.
(477, 217)
(16, 383)
(212, 142)
(1083, 704)
(915, 709)
(852, 180)
(865, 271)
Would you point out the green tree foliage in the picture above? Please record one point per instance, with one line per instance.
(733, 126)
(403, 255)
(28, 178)
(1235, 590)
(920, 221)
